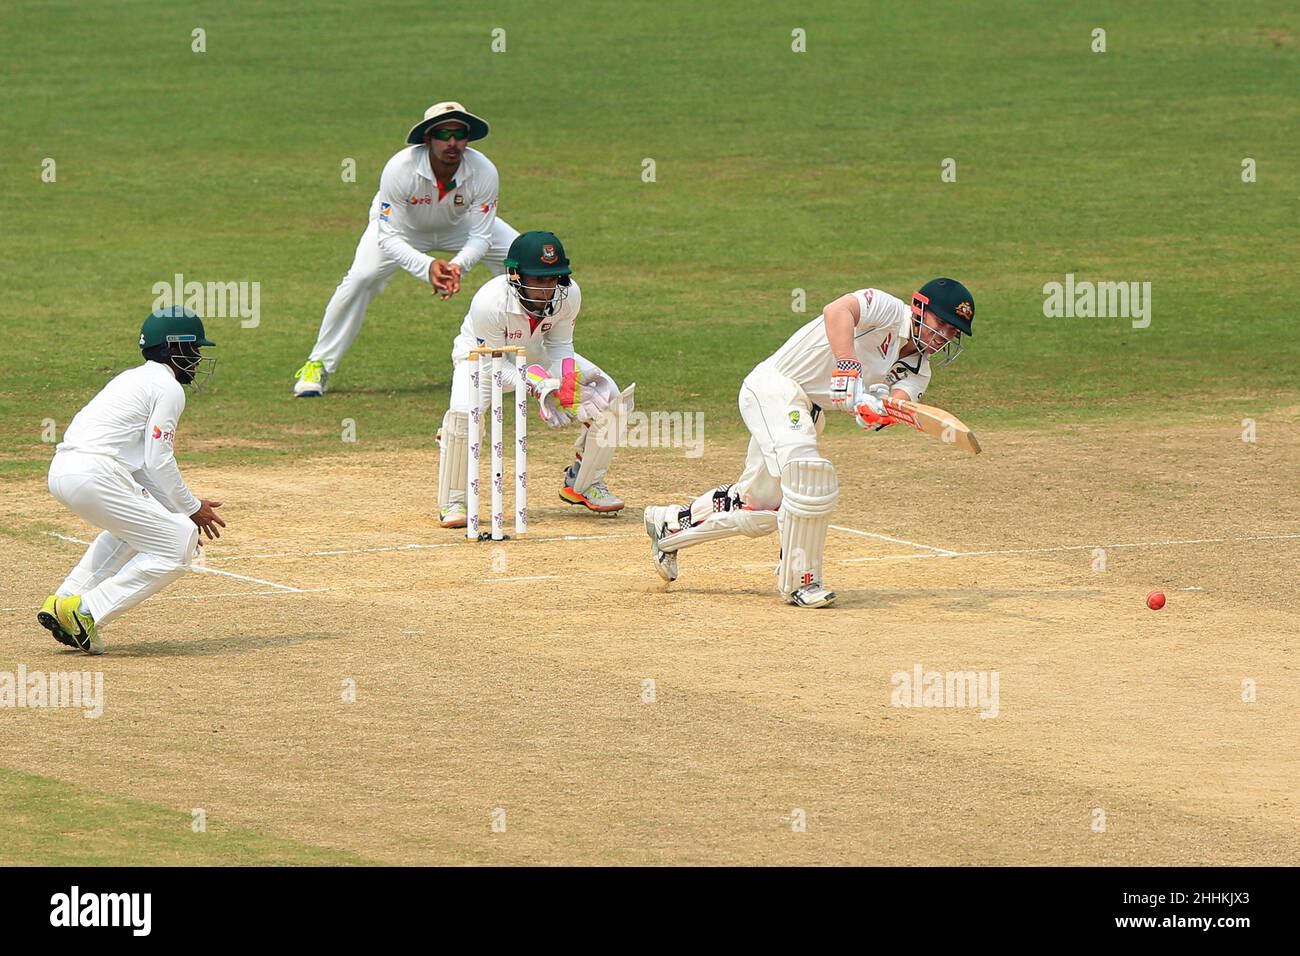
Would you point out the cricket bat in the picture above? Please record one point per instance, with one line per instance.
(935, 422)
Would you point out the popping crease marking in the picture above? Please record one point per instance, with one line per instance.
(200, 568)
(1074, 547)
(532, 539)
(885, 537)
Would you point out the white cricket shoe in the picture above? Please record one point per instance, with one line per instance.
(656, 519)
(311, 380)
(810, 595)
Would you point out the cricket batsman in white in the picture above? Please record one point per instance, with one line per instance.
(115, 468)
(534, 306)
(436, 194)
(865, 346)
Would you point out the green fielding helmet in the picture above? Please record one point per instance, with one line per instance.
(173, 324)
(949, 300)
(537, 253)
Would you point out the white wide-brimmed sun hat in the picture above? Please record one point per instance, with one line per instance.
(445, 113)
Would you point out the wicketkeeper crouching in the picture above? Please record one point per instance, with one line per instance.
(534, 306)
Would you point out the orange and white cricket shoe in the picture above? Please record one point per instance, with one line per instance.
(597, 498)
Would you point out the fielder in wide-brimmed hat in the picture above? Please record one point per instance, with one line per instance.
(435, 194)
(440, 113)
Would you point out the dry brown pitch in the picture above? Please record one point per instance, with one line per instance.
(513, 676)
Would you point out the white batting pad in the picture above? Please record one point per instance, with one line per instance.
(453, 448)
(808, 492)
(602, 438)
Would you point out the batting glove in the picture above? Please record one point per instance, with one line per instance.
(869, 407)
(844, 383)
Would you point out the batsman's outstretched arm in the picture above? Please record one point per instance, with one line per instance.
(841, 317)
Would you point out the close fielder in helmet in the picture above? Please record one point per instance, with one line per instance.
(533, 306)
(115, 468)
(865, 346)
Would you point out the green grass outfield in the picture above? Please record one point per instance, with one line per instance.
(51, 823)
(775, 170)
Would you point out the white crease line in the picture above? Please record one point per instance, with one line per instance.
(885, 537)
(202, 569)
(408, 547)
(901, 557)
(1076, 547)
(231, 594)
(535, 577)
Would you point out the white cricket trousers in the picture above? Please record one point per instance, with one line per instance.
(370, 273)
(779, 416)
(781, 428)
(143, 547)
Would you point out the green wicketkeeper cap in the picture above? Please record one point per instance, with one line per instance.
(538, 253)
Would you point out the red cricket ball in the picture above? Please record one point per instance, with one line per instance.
(1156, 600)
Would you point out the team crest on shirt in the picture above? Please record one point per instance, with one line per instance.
(548, 254)
(795, 417)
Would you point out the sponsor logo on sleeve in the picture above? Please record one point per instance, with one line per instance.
(158, 433)
(385, 210)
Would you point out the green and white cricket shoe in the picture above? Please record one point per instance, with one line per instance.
(78, 624)
(454, 517)
(311, 380)
(49, 620)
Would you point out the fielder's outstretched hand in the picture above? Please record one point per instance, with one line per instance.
(207, 518)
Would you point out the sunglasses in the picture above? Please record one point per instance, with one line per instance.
(445, 133)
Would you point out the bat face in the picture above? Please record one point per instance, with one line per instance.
(934, 422)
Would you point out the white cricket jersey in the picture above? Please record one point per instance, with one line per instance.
(411, 205)
(133, 421)
(496, 317)
(884, 326)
